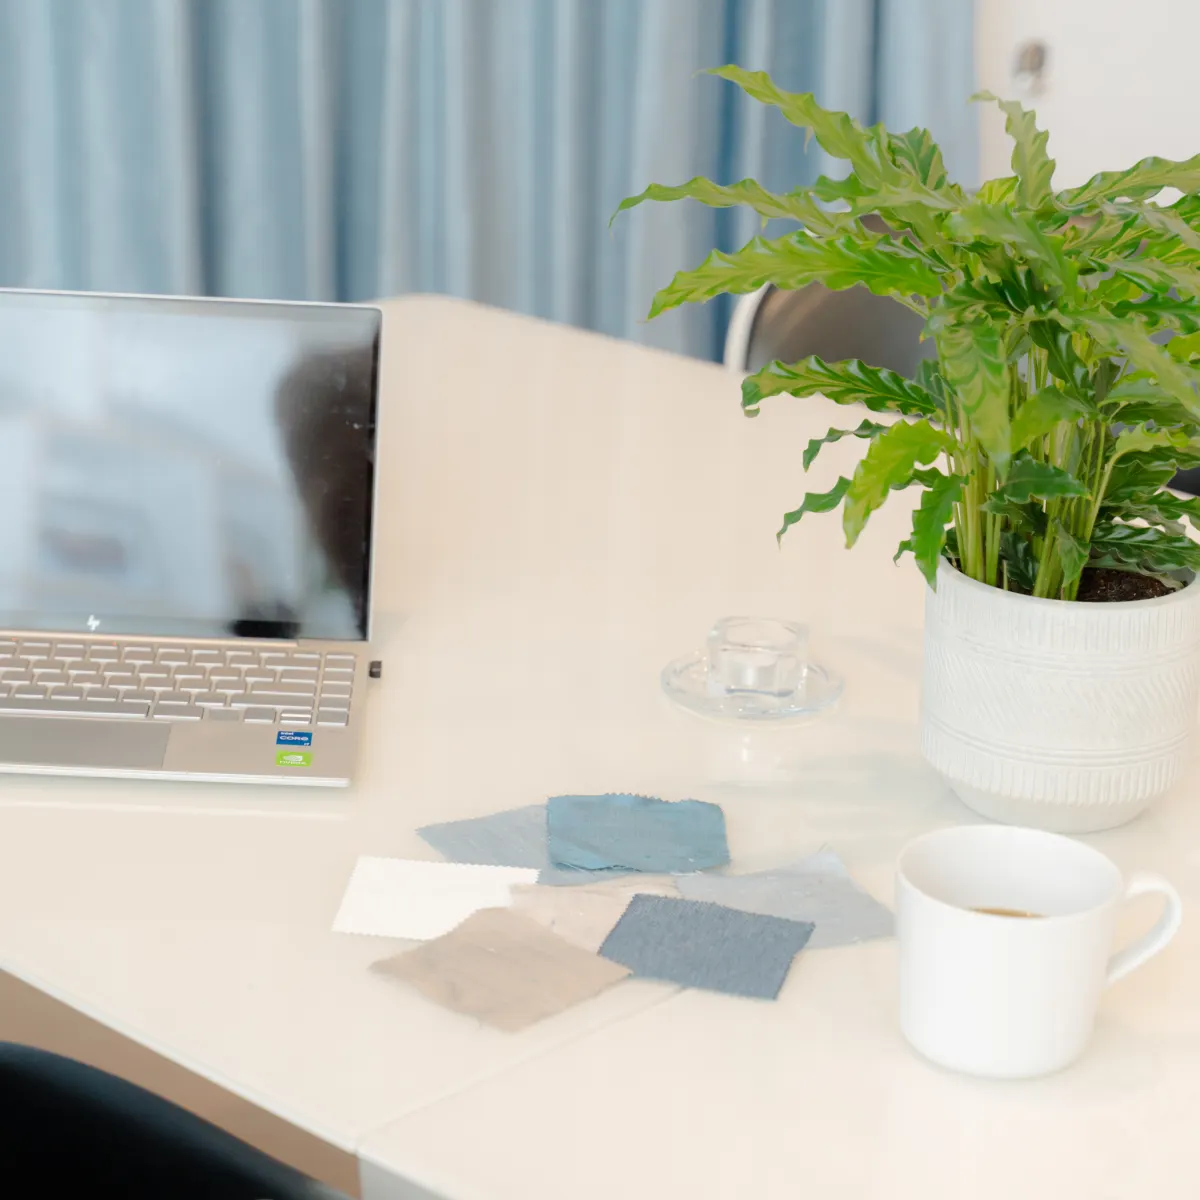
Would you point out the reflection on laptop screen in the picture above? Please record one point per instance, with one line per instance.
(186, 467)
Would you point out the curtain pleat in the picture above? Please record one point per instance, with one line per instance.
(348, 149)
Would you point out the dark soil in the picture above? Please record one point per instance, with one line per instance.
(1100, 584)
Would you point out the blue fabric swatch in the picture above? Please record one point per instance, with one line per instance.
(817, 888)
(638, 832)
(702, 945)
(514, 838)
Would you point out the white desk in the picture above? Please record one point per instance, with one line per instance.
(561, 514)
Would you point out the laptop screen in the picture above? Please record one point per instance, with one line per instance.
(196, 468)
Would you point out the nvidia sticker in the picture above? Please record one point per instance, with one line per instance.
(293, 758)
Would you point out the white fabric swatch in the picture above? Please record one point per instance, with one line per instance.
(401, 898)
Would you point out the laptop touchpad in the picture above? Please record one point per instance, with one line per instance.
(63, 742)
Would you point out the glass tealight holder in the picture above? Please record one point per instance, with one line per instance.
(754, 669)
(755, 656)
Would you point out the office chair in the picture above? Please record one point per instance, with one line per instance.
(67, 1129)
(771, 324)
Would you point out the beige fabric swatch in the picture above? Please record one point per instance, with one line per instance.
(503, 968)
(585, 915)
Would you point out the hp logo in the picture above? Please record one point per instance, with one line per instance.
(93, 623)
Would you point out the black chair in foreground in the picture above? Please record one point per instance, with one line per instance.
(70, 1130)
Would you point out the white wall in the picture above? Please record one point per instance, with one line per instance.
(1121, 81)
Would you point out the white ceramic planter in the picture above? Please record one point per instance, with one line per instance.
(1065, 716)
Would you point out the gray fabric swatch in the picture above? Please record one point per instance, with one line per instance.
(514, 838)
(503, 968)
(817, 889)
(640, 832)
(706, 946)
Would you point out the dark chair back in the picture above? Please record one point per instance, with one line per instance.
(67, 1129)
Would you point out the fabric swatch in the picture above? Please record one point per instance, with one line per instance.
(639, 832)
(817, 889)
(504, 969)
(396, 897)
(585, 916)
(702, 945)
(513, 838)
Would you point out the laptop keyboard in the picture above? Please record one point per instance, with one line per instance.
(175, 682)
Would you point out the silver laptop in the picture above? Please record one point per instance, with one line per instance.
(186, 511)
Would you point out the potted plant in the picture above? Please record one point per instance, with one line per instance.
(1061, 670)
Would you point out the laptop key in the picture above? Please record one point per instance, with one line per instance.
(178, 712)
(223, 714)
(208, 700)
(55, 707)
(331, 716)
(298, 675)
(29, 692)
(103, 695)
(49, 677)
(295, 717)
(259, 716)
(174, 699)
(283, 691)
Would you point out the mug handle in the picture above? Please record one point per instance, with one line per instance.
(1140, 884)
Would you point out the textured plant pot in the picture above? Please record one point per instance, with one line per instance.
(1070, 717)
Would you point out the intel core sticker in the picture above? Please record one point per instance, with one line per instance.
(293, 758)
(293, 737)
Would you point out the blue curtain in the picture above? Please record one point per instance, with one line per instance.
(347, 149)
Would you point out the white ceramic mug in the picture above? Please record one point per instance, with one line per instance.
(1005, 996)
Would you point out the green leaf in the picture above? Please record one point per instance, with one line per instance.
(1184, 349)
(869, 151)
(917, 153)
(975, 365)
(1162, 508)
(1033, 167)
(1138, 477)
(849, 382)
(794, 206)
(1153, 274)
(1020, 564)
(888, 464)
(930, 520)
(1072, 553)
(1137, 440)
(1144, 179)
(1042, 413)
(1065, 365)
(1152, 551)
(1029, 479)
(1162, 220)
(837, 133)
(1021, 234)
(815, 502)
(868, 429)
(929, 378)
(998, 191)
(1130, 338)
(796, 259)
(1138, 398)
(1028, 519)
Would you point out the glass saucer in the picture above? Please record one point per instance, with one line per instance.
(688, 683)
